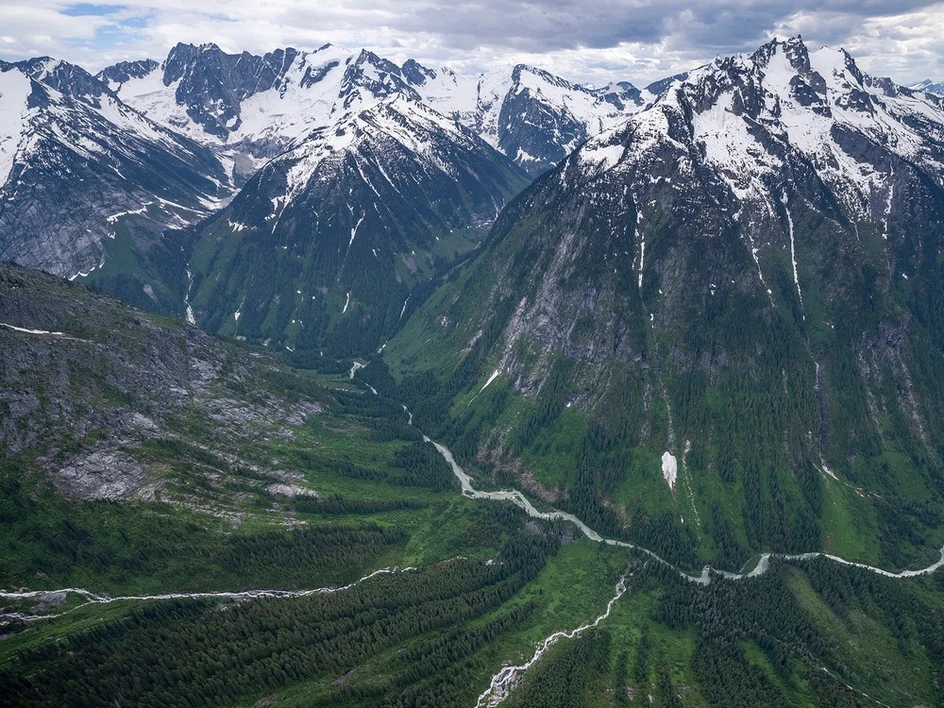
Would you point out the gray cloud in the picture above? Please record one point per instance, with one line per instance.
(584, 40)
(706, 25)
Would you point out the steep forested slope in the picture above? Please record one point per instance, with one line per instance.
(717, 327)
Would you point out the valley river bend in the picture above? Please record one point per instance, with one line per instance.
(505, 680)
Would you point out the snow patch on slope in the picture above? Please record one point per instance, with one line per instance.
(495, 375)
(669, 469)
(15, 89)
(793, 257)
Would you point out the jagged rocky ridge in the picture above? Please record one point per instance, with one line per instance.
(74, 160)
(738, 289)
(250, 107)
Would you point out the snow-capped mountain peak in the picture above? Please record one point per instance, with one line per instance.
(413, 126)
(749, 115)
(73, 156)
(255, 107)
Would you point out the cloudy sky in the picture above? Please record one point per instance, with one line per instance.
(583, 40)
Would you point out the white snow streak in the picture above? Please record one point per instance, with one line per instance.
(793, 257)
(354, 231)
(760, 273)
(114, 217)
(239, 310)
(888, 207)
(190, 318)
(32, 331)
(642, 247)
(490, 379)
(43, 333)
(669, 469)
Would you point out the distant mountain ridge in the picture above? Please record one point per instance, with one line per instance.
(258, 106)
(929, 86)
(74, 158)
(202, 122)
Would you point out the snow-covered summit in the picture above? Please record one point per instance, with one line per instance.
(256, 106)
(72, 154)
(749, 115)
(413, 127)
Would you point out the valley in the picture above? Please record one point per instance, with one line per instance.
(502, 683)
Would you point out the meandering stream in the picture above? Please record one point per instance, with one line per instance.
(94, 599)
(763, 564)
(504, 681)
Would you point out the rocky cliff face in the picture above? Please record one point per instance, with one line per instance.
(543, 118)
(90, 389)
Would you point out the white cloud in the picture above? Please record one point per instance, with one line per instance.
(583, 40)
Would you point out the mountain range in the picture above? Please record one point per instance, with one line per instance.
(929, 86)
(228, 117)
(253, 108)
